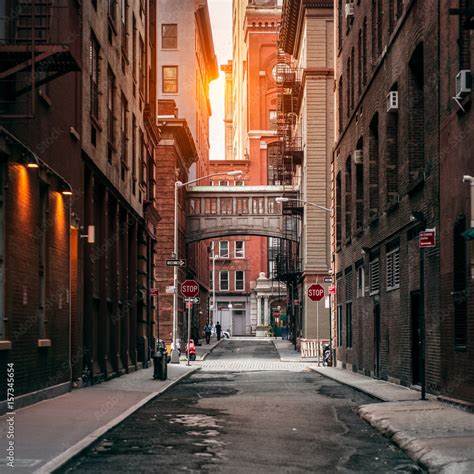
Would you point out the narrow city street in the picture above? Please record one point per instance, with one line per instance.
(246, 411)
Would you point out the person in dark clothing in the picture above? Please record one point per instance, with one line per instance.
(218, 330)
(208, 331)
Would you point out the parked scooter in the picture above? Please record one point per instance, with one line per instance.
(192, 350)
(327, 355)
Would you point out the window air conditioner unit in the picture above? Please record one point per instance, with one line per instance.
(358, 157)
(392, 101)
(349, 10)
(463, 83)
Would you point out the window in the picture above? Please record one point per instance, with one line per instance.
(359, 176)
(338, 209)
(195, 206)
(169, 36)
(239, 249)
(360, 281)
(272, 116)
(239, 280)
(340, 102)
(224, 281)
(374, 277)
(339, 325)
(393, 269)
(258, 205)
(239, 183)
(142, 66)
(242, 205)
(123, 130)
(111, 106)
(113, 10)
(416, 114)
(94, 71)
(124, 14)
(224, 249)
(226, 205)
(211, 280)
(364, 52)
(460, 276)
(210, 205)
(170, 79)
(348, 197)
(374, 167)
(392, 156)
(349, 324)
(223, 183)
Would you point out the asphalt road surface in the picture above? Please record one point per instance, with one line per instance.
(262, 416)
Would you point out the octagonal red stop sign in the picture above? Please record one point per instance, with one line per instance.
(315, 292)
(189, 288)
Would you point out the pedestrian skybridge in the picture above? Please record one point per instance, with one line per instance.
(219, 211)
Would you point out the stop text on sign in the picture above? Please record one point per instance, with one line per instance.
(189, 288)
(315, 292)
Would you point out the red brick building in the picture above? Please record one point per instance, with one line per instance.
(386, 188)
(456, 121)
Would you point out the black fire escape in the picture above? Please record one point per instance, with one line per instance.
(37, 39)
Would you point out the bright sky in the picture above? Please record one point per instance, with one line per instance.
(221, 20)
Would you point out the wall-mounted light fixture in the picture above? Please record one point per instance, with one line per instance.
(90, 236)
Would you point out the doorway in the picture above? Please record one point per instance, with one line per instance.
(415, 311)
(377, 336)
(238, 323)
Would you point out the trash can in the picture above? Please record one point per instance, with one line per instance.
(160, 368)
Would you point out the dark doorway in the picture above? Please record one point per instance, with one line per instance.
(415, 305)
(377, 332)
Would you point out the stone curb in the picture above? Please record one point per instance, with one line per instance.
(211, 349)
(347, 384)
(417, 450)
(84, 443)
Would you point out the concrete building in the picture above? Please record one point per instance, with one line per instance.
(306, 137)
(187, 64)
(228, 109)
(250, 111)
(386, 189)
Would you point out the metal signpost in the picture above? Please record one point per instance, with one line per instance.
(190, 290)
(316, 293)
(427, 239)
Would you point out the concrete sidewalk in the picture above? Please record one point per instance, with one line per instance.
(437, 436)
(287, 353)
(49, 433)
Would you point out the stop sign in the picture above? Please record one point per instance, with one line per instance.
(315, 292)
(189, 288)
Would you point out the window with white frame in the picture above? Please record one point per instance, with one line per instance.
(360, 281)
(223, 183)
(239, 280)
(211, 280)
(224, 281)
(239, 249)
(374, 276)
(224, 248)
(393, 269)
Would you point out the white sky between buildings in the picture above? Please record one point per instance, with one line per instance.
(221, 21)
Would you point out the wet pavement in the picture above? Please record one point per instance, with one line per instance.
(256, 421)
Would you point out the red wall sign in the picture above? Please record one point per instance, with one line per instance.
(316, 292)
(427, 239)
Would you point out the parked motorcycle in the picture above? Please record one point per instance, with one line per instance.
(327, 355)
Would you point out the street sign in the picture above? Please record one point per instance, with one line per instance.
(153, 291)
(193, 300)
(328, 279)
(189, 305)
(316, 292)
(427, 239)
(296, 302)
(169, 290)
(189, 288)
(177, 262)
(332, 290)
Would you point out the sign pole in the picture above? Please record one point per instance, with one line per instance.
(189, 331)
(317, 329)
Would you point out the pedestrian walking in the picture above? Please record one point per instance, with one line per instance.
(218, 330)
(208, 331)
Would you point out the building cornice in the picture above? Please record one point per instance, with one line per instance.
(179, 131)
(292, 21)
(203, 22)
